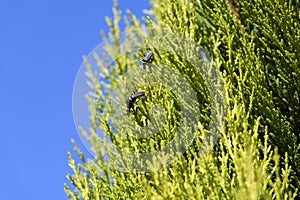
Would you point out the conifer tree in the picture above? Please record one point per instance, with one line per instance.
(252, 47)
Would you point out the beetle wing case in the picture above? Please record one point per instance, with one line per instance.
(149, 57)
(137, 95)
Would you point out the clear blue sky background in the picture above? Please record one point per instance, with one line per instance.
(41, 48)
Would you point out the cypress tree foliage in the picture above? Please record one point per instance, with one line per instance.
(256, 50)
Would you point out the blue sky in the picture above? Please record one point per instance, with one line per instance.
(41, 48)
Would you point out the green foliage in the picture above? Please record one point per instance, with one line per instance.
(258, 153)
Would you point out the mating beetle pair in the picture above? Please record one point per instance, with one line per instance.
(133, 98)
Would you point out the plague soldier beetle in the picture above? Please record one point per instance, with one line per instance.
(132, 100)
(148, 59)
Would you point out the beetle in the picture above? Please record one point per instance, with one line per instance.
(132, 99)
(148, 59)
